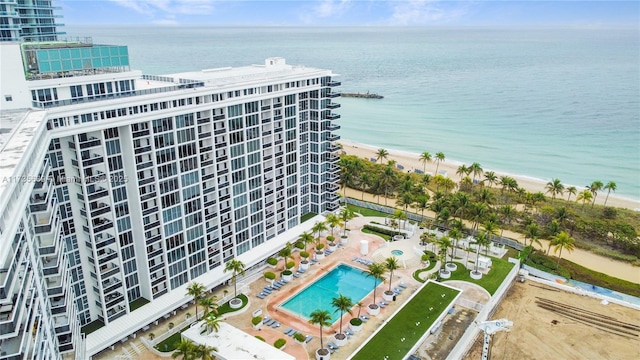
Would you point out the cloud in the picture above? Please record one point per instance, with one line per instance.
(163, 8)
(326, 8)
(425, 12)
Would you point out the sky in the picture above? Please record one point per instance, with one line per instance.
(571, 13)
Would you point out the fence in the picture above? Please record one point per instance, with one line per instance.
(469, 336)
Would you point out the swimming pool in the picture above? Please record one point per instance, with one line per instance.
(342, 279)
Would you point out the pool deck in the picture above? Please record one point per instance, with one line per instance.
(344, 254)
(378, 251)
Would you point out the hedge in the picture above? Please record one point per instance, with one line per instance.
(279, 343)
(299, 337)
(272, 261)
(382, 230)
(256, 320)
(270, 275)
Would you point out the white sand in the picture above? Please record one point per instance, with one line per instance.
(412, 161)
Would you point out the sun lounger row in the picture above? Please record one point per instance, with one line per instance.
(362, 261)
(291, 332)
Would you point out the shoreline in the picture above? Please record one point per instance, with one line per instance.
(411, 161)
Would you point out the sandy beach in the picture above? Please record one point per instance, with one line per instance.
(412, 161)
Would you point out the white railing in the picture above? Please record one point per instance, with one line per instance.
(469, 336)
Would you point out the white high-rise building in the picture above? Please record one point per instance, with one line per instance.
(118, 188)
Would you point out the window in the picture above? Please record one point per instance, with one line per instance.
(8, 98)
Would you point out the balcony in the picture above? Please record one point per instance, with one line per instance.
(333, 116)
(93, 160)
(333, 137)
(333, 95)
(333, 148)
(332, 127)
(89, 143)
(333, 105)
(334, 83)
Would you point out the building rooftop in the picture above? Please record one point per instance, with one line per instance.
(273, 68)
(233, 343)
(17, 131)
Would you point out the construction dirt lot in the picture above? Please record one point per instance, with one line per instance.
(553, 324)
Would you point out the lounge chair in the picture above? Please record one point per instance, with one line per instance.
(296, 275)
(355, 258)
(332, 345)
(348, 332)
(364, 317)
(260, 296)
(270, 322)
(266, 319)
(309, 338)
(276, 324)
(288, 330)
(301, 271)
(402, 286)
(382, 305)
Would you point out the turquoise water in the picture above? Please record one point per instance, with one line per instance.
(543, 103)
(342, 279)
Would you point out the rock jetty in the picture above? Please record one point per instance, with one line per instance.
(363, 96)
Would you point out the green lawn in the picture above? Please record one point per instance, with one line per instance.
(409, 324)
(491, 281)
(169, 344)
(307, 216)
(137, 303)
(91, 327)
(365, 211)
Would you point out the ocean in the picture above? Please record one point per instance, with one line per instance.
(543, 103)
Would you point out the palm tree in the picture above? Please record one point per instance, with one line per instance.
(571, 190)
(359, 304)
(321, 318)
(427, 238)
(491, 178)
(286, 252)
(211, 323)
(305, 238)
(342, 303)
(554, 229)
(319, 227)
(333, 221)
(554, 187)
(345, 215)
(444, 243)
(532, 233)
(439, 157)
(186, 349)
(425, 158)
(387, 181)
(376, 270)
(365, 182)
(422, 202)
(562, 241)
(382, 154)
(491, 229)
(507, 213)
(585, 196)
(203, 352)
(391, 263)
(477, 170)
(611, 186)
(209, 304)
(462, 170)
(197, 291)
(237, 267)
(594, 188)
(455, 234)
(482, 239)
